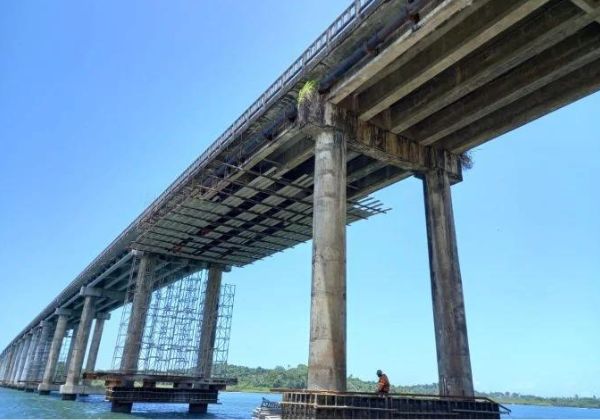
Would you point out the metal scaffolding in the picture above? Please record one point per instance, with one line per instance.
(171, 340)
(60, 374)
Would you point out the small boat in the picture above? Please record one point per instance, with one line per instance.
(267, 410)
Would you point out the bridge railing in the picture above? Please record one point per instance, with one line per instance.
(341, 25)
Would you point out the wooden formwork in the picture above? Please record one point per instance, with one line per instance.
(298, 404)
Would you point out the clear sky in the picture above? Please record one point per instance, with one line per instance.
(103, 104)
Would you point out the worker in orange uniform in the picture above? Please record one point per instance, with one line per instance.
(383, 385)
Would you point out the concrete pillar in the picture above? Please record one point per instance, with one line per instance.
(327, 348)
(70, 350)
(59, 333)
(454, 364)
(137, 321)
(23, 358)
(210, 314)
(96, 338)
(35, 336)
(41, 354)
(71, 388)
(7, 363)
(208, 331)
(139, 310)
(15, 361)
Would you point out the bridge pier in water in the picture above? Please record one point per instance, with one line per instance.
(197, 389)
(60, 330)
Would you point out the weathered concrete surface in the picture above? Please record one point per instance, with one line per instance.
(327, 351)
(81, 341)
(95, 344)
(54, 353)
(41, 356)
(139, 310)
(15, 363)
(454, 364)
(35, 337)
(22, 359)
(209, 322)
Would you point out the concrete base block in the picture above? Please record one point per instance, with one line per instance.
(46, 388)
(68, 397)
(198, 408)
(80, 389)
(121, 407)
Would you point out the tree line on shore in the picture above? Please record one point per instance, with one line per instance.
(261, 379)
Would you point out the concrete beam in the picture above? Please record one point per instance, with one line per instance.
(432, 27)
(554, 63)
(588, 7)
(101, 293)
(561, 92)
(476, 30)
(382, 145)
(516, 46)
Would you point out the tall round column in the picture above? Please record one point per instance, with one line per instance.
(327, 348)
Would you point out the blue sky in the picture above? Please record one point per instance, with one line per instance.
(103, 104)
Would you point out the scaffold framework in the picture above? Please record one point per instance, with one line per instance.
(60, 374)
(170, 343)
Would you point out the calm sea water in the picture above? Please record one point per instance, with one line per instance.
(234, 405)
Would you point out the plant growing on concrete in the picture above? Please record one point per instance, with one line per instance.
(308, 91)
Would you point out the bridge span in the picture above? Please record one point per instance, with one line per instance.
(392, 89)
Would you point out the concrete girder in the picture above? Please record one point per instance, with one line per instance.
(552, 64)
(588, 7)
(516, 46)
(434, 25)
(561, 92)
(477, 29)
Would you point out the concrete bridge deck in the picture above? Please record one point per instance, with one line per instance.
(418, 84)
(470, 72)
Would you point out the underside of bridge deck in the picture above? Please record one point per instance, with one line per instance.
(401, 88)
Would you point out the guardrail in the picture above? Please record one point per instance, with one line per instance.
(351, 14)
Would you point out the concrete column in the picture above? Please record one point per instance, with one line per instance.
(30, 355)
(210, 314)
(327, 349)
(59, 333)
(96, 338)
(70, 389)
(137, 321)
(39, 360)
(15, 361)
(454, 364)
(23, 358)
(139, 310)
(208, 331)
(70, 351)
(8, 362)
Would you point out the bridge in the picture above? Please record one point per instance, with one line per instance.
(392, 89)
